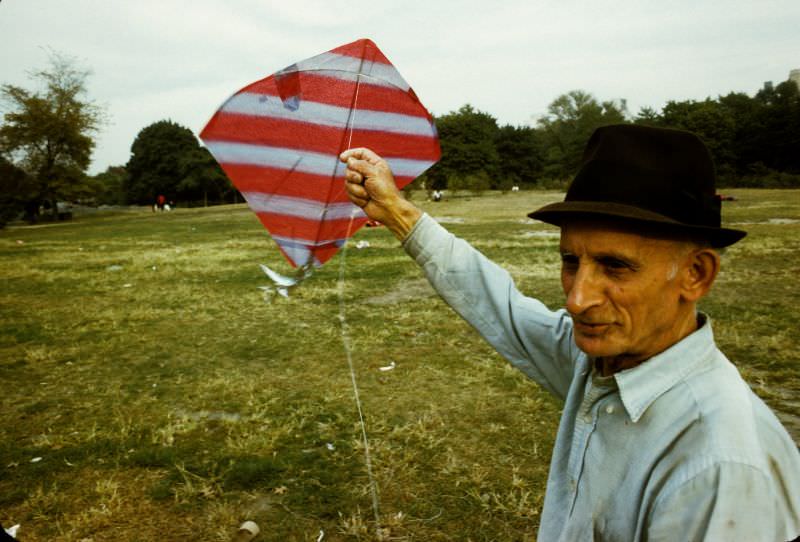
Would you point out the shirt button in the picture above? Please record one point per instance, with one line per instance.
(610, 409)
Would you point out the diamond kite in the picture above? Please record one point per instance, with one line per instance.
(279, 141)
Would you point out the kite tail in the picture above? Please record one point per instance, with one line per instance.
(281, 284)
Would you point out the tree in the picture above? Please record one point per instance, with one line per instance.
(521, 159)
(14, 185)
(166, 158)
(648, 117)
(779, 117)
(49, 133)
(111, 185)
(567, 126)
(467, 138)
(156, 163)
(711, 121)
(201, 175)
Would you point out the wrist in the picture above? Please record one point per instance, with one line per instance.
(402, 219)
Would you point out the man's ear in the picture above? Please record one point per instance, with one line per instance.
(702, 266)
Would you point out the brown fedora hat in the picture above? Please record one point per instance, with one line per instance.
(647, 175)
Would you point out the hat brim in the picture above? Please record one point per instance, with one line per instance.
(558, 213)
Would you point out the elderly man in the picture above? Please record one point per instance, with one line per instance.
(660, 438)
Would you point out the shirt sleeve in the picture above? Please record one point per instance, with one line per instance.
(729, 501)
(531, 337)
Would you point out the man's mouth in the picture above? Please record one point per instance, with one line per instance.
(591, 328)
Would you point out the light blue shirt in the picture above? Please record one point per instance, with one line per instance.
(678, 448)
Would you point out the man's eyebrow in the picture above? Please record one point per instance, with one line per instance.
(610, 257)
(607, 257)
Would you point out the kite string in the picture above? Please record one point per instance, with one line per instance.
(373, 485)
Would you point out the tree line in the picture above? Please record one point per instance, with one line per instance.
(755, 140)
(47, 137)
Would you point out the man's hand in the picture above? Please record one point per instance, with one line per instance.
(370, 185)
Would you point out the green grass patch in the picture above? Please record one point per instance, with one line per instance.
(152, 393)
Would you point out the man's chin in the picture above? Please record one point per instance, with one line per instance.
(594, 346)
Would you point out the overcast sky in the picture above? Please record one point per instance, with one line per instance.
(179, 60)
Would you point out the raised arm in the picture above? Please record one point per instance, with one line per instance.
(534, 339)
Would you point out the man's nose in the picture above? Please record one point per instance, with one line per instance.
(586, 292)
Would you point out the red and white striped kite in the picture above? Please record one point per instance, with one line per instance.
(279, 141)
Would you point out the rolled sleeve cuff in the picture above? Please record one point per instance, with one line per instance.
(423, 234)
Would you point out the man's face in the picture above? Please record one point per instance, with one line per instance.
(623, 290)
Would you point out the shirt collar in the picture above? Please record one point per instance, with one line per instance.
(640, 386)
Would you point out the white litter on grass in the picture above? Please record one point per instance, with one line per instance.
(449, 219)
(330, 446)
(127, 285)
(114, 267)
(321, 535)
(250, 529)
(540, 233)
(362, 244)
(216, 415)
(389, 367)
(36, 459)
(771, 221)
(12, 531)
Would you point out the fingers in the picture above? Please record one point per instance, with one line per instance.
(360, 153)
(353, 176)
(363, 161)
(357, 193)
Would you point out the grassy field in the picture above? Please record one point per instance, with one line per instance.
(151, 392)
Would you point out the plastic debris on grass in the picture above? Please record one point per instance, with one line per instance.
(247, 531)
(389, 367)
(449, 219)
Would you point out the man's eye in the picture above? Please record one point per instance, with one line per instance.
(569, 261)
(615, 265)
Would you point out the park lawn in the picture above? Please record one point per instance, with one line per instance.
(152, 392)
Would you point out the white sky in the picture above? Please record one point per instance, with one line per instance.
(179, 60)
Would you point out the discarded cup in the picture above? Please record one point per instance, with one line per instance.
(247, 531)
